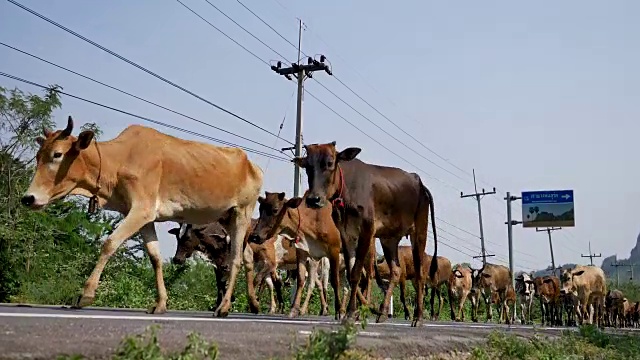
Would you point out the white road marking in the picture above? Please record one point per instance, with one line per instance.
(365, 333)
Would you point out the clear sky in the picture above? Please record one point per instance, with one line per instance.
(534, 96)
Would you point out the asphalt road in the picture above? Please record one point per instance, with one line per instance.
(43, 332)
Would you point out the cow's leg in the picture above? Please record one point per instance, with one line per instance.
(313, 279)
(237, 230)
(268, 279)
(488, 304)
(219, 286)
(363, 247)
(334, 277)
(440, 302)
(302, 273)
(247, 255)
(278, 285)
(150, 239)
(132, 223)
(431, 300)
(390, 251)
(418, 244)
(461, 301)
(403, 297)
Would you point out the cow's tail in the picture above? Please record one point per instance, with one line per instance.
(433, 268)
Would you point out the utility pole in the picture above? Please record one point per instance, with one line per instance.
(617, 264)
(478, 197)
(592, 255)
(548, 231)
(301, 72)
(510, 222)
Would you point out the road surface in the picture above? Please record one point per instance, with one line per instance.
(43, 332)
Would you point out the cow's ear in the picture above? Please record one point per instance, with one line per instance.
(294, 202)
(281, 196)
(578, 273)
(458, 274)
(40, 140)
(300, 161)
(348, 154)
(260, 199)
(174, 231)
(84, 140)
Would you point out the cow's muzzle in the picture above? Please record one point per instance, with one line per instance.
(256, 239)
(315, 202)
(563, 291)
(178, 260)
(28, 200)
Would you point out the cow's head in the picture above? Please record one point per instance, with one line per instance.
(272, 209)
(323, 175)
(525, 284)
(206, 239)
(59, 168)
(567, 279)
(475, 278)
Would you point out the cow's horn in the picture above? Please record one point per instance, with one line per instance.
(67, 131)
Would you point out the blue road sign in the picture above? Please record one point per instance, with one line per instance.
(547, 197)
(548, 208)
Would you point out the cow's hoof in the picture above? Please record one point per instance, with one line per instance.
(157, 309)
(294, 313)
(222, 310)
(382, 318)
(347, 320)
(254, 308)
(416, 322)
(82, 301)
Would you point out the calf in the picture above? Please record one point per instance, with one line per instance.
(459, 287)
(570, 304)
(311, 232)
(372, 201)
(504, 314)
(435, 282)
(548, 291)
(615, 302)
(588, 283)
(526, 292)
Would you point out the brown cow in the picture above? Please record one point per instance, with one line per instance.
(407, 272)
(311, 232)
(510, 300)
(615, 304)
(148, 176)
(489, 279)
(588, 283)
(459, 288)
(372, 201)
(548, 291)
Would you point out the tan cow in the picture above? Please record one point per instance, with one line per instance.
(459, 288)
(312, 233)
(435, 283)
(588, 283)
(493, 278)
(148, 176)
(501, 306)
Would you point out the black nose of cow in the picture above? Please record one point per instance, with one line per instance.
(28, 200)
(253, 238)
(178, 261)
(313, 201)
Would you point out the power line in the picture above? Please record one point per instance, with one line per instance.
(357, 128)
(137, 97)
(257, 152)
(141, 67)
(366, 102)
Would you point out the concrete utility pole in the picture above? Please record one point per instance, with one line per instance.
(510, 222)
(548, 231)
(301, 73)
(617, 264)
(478, 197)
(592, 255)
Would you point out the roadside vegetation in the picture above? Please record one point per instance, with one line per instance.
(46, 256)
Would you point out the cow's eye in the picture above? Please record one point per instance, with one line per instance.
(57, 155)
(329, 164)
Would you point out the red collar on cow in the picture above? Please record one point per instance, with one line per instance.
(339, 201)
(297, 239)
(93, 201)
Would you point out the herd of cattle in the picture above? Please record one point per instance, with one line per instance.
(327, 235)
